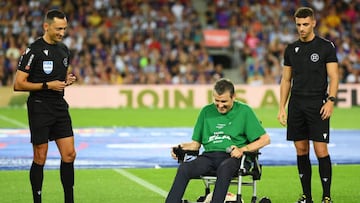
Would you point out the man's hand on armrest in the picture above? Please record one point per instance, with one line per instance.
(189, 146)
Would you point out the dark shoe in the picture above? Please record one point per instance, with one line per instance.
(326, 200)
(304, 199)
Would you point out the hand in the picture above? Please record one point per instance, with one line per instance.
(56, 85)
(326, 110)
(70, 78)
(282, 117)
(236, 152)
(173, 155)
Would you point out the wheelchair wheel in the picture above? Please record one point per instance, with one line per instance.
(265, 200)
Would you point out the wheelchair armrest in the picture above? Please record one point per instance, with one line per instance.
(249, 153)
(250, 164)
(183, 154)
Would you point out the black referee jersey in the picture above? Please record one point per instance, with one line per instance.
(308, 65)
(45, 62)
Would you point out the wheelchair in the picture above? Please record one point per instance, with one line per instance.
(249, 166)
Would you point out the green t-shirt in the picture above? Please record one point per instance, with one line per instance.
(216, 131)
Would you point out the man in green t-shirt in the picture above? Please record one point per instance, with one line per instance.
(223, 125)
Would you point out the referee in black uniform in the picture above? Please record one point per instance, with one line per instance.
(309, 63)
(43, 71)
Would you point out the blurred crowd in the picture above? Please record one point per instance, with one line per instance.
(161, 41)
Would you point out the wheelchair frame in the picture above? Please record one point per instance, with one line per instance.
(247, 168)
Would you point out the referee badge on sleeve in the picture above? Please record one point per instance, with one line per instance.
(65, 62)
(48, 66)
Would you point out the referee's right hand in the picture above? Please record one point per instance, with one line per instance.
(282, 117)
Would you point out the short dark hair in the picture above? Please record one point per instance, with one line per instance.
(304, 12)
(223, 85)
(51, 14)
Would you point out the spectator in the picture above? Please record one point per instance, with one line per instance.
(120, 29)
(3, 80)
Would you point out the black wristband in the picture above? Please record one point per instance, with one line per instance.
(332, 99)
(45, 86)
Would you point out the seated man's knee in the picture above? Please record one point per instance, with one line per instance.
(228, 167)
(187, 170)
(183, 169)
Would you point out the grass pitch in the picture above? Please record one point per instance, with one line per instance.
(280, 183)
(343, 118)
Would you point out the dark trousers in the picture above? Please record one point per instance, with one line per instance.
(224, 165)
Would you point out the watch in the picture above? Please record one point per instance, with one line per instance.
(332, 99)
(45, 86)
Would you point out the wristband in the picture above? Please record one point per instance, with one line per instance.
(331, 98)
(45, 86)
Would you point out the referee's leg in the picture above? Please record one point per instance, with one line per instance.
(37, 170)
(67, 151)
(304, 166)
(325, 167)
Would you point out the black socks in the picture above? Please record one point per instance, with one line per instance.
(36, 180)
(67, 180)
(325, 172)
(304, 168)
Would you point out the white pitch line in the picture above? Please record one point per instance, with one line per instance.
(15, 122)
(142, 182)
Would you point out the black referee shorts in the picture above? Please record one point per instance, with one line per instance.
(48, 120)
(304, 119)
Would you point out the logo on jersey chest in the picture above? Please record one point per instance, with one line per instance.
(48, 66)
(314, 57)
